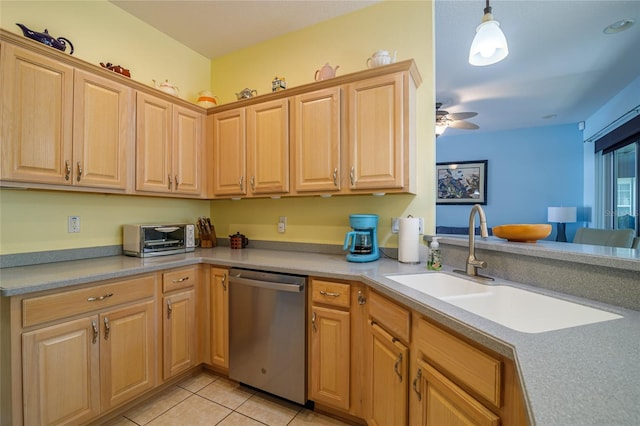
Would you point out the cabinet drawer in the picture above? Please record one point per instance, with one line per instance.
(392, 317)
(37, 310)
(460, 361)
(179, 278)
(330, 293)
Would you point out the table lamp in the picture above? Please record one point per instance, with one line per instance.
(561, 215)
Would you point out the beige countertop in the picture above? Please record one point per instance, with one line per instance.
(586, 375)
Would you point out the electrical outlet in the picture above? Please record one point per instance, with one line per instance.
(282, 224)
(73, 224)
(421, 225)
(395, 225)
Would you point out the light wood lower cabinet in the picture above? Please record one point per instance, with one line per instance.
(219, 317)
(179, 321)
(74, 370)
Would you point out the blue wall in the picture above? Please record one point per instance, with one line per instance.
(528, 170)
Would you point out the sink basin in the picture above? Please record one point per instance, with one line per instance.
(518, 309)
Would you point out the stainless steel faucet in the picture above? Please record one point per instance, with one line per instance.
(472, 263)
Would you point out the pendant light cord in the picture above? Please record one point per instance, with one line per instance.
(488, 8)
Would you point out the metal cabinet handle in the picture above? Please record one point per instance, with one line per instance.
(241, 183)
(415, 384)
(169, 309)
(328, 293)
(395, 367)
(107, 328)
(335, 176)
(224, 282)
(253, 183)
(99, 298)
(180, 280)
(67, 170)
(313, 322)
(95, 332)
(352, 175)
(79, 172)
(170, 183)
(361, 299)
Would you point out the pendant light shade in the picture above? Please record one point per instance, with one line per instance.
(489, 44)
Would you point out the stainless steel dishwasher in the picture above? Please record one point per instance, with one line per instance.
(267, 332)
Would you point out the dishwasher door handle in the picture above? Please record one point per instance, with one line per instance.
(293, 288)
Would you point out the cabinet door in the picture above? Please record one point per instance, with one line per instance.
(376, 133)
(127, 353)
(229, 152)
(268, 147)
(187, 148)
(389, 379)
(179, 313)
(60, 369)
(102, 133)
(330, 355)
(37, 97)
(153, 144)
(316, 141)
(444, 403)
(219, 317)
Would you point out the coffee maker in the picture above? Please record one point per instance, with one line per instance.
(362, 242)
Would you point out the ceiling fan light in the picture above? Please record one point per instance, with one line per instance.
(489, 45)
(440, 128)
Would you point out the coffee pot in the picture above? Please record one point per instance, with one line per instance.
(207, 99)
(380, 58)
(246, 93)
(166, 87)
(362, 242)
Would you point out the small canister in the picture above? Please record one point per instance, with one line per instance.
(238, 241)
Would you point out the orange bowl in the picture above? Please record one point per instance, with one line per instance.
(522, 233)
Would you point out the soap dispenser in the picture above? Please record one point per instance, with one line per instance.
(435, 260)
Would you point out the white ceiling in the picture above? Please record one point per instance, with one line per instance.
(560, 62)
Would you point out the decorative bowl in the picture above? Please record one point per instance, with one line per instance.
(522, 233)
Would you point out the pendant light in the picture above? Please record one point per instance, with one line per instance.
(489, 44)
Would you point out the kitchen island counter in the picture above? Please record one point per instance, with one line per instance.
(586, 375)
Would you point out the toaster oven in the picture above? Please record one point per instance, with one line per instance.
(157, 240)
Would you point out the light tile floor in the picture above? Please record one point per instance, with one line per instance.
(208, 399)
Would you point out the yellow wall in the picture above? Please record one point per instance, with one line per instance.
(102, 32)
(405, 26)
(37, 220)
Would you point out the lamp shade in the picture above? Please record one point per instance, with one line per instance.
(489, 44)
(562, 214)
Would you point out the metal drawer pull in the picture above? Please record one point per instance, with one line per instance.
(395, 367)
(253, 183)
(335, 176)
(241, 182)
(79, 172)
(94, 299)
(177, 181)
(224, 282)
(328, 293)
(361, 299)
(352, 175)
(67, 171)
(169, 309)
(95, 331)
(107, 328)
(313, 322)
(180, 280)
(415, 384)
(170, 182)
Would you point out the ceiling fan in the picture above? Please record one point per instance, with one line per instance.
(456, 120)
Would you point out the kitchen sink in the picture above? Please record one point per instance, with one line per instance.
(518, 309)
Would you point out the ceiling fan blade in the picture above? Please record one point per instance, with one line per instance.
(462, 115)
(463, 125)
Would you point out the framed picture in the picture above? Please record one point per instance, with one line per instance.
(464, 182)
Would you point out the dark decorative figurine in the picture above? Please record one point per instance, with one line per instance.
(60, 43)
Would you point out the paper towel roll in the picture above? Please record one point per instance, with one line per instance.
(409, 240)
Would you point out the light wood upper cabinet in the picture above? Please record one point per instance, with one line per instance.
(169, 140)
(376, 121)
(268, 147)
(102, 131)
(229, 152)
(315, 141)
(65, 126)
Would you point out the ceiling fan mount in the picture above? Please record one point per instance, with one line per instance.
(455, 120)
